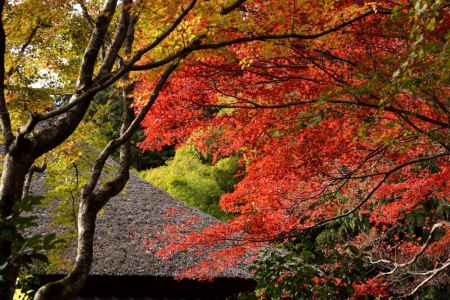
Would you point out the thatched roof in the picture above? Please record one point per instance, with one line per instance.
(139, 212)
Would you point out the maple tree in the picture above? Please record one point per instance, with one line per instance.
(344, 136)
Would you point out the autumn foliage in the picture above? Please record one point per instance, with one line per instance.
(346, 118)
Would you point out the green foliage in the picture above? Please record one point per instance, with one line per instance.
(311, 266)
(190, 180)
(323, 263)
(28, 250)
(108, 113)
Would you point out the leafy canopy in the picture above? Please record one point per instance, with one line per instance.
(344, 121)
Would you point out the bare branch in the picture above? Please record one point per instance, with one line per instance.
(433, 274)
(397, 266)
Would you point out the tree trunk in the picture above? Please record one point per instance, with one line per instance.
(15, 169)
(70, 285)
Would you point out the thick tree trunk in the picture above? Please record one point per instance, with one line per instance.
(15, 168)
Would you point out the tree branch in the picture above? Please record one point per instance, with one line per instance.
(5, 119)
(85, 12)
(164, 34)
(90, 204)
(255, 105)
(50, 136)
(119, 38)
(28, 41)
(295, 35)
(233, 6)
(114, 186)
(29, 179)
(423, 132)
(433, 274)
(194, 46)
(395, 110)
(396, 266)
(84, 94)
(385, 175)
(126, 134)
(95, 43)
(248, 39)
